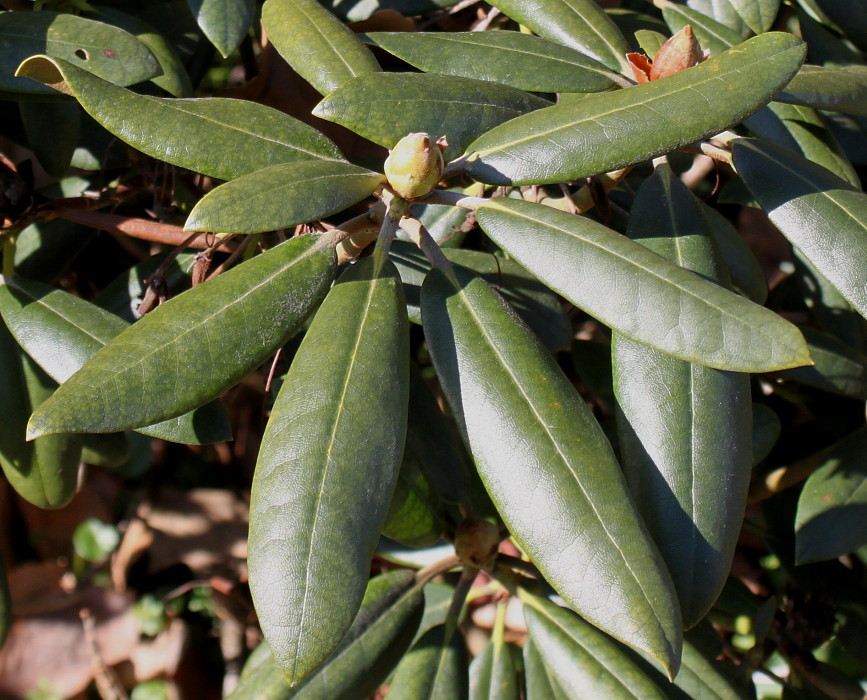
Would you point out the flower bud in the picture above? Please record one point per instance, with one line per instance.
(680, 52)
(414, 166)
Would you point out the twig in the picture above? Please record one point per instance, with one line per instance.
(107, 683)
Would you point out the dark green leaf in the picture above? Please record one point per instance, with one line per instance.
(705, 673)
(685, 428)
(386, 107)
(539, 685)
(834, 89)
(316, 44)
(714, 326)
(328, 468)
(108, 449)
(758, 15)
(710, 33)
(824, 216)
(52, 133)
(219, 137)
(493, 673)
(378, 637)
(282, 196)
(44, 471)
(580, 24)
(433, 669)
(850, 17)
(5, 601)
(523, 61)
(839, 368)
(195, 346)
(538, 449)
(443, 222)
(62, 332)
(610, 130)
(832, 508)
(224, 22)
(581, 660)
(743, 267)
(414, 515)
(536, 305)
(105, 51)
(766, 431)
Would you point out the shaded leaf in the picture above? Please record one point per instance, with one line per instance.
(834, 89)
(766, 431)
(493, 673)
(685, 429)
(832, 509)
(824, 216)
(758, 15)
(5, 601)
(536, 305)
(224, 22)
(521, 60)
(282, 196)
(706, 673)
(743, 267)
(538, 449)
(839, 368)
(316, 44)
(52, 133)
(386, 107)
(195, 346)
(607, 131)
(712, 325)
(220, 137)
(434, 669)
(62, 332)
(379, 635)
(414, 515)
(108, 52)
(328, 468)
(579, 24)
(44, 471)
(849, 17)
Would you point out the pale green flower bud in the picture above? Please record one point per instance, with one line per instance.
(414, 166)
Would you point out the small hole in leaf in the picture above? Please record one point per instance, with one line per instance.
(81, 53)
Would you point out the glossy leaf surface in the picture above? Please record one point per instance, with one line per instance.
(45, 471)
(224, 22)
(189, 350)
(385, 108)
(824, 216)
(316, 44)
(536, 305)
(521, 60)
(579, 24)
(111, 53)
(538, 683)
(328, 467)
(493, 673)
(582, 661)
(433, 669)
(832, 508)
(62, 332)
(379, 635)
(654, 302)
(685, 429)
(539, 450)
(604, 132)
(282, 196)
(833, 89)
(215, 136)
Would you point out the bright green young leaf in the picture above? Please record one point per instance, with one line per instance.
(579, 24)
(62, 332)
(215, 136)
(224, 22)
(328, 468)
(820, 214)
(379, 635)
(44, 471)
(802, 130)
(582, 661)
(611, 130)
(282, 196)
(316, 44)
(539, 450)
(710, 33)
(386, 107)
(494, 672)
(839, 368)
(685, 429)
(534, 302)
(834, 89)
(521, 60)
(653, 301)
(743, 267)
(189, 350)
(433, 669)
(832, 508)
(111, 53)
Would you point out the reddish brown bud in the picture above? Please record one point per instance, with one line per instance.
(678, 53)
(641, 66)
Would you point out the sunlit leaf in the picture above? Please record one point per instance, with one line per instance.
(433, 668)
(835, 89)
(224, 22)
